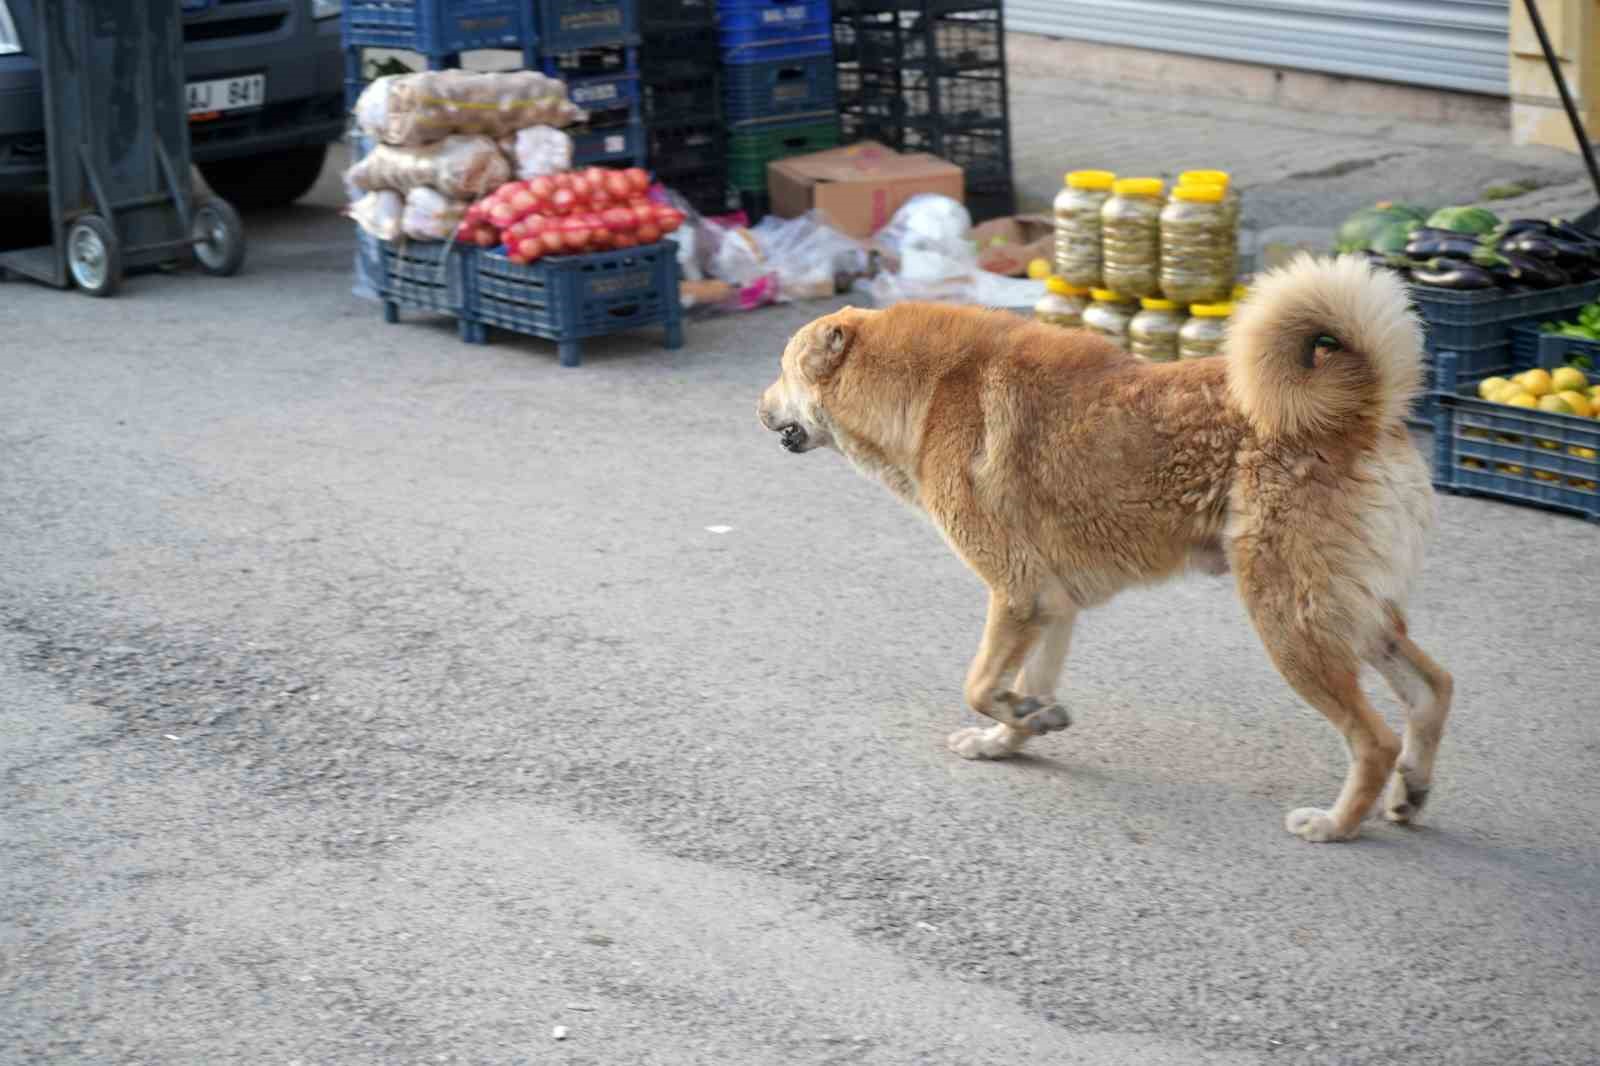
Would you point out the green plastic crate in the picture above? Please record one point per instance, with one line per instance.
(750, 150)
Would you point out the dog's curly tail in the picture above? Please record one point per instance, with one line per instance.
(1324, 347)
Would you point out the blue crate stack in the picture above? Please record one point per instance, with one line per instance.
(780, 93)
(680, 65)
(930, 76)
(439, 30)
(593, 45)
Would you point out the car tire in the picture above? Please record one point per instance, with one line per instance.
(275, 179)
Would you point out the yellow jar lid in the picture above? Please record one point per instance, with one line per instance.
(1211, 310)
(1198, 194)
(1088, 179)
(1155, 303)
(1137, 186)
(1205, 177)
(1107, 296)
(1063, 287)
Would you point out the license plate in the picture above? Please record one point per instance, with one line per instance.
(210, 98)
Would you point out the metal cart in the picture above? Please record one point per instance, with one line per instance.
(117, 129)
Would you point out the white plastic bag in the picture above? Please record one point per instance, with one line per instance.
(461, 167)
(538, 151)
(416, 109)
(430, 215)
(379, 213)
(929, 254)
(808, 255)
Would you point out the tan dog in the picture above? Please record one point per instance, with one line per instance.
(1063, 470)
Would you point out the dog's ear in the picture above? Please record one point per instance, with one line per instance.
(827, 350)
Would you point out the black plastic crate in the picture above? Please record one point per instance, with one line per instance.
(706, 191)
(932, 42)
(986, 199)
(782, 88)
(658, 15)
(597, 145)
(566, 25)
(693, 100)
(679, 56)
(683, 148)
(571, 298)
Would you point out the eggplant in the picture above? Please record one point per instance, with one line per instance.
(1454, 245)
(1538, 245)
(1510, 229)
(1446, 273)
(1535, 272)
(1560, 227)
(1554, 250)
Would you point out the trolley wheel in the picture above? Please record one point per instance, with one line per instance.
(94, 255)
(218, 237)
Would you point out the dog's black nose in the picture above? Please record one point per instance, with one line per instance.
(792, 437)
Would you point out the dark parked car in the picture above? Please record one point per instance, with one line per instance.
(266, 95)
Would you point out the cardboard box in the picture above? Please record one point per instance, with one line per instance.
(1008, 245)
(859, 187)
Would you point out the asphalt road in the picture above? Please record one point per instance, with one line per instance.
(367, 697)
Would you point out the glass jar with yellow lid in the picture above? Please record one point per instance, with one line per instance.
(1130, 237)
(1109, 315)
(1230, 194)
(1077, 214)
(1203, 334)
(1063, 304)
(1197, 246)
(1153, 332)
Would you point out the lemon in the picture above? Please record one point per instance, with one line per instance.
(1544, 475)
(1594, 390)
(1567, 377)
(1554, 405)
(1489, 386)
(1535, 382)
(1521, 399)
(1509, 468)
(1472, 464)
(1548, 445)
(1504, 393)
(1577, 401)
(1581, 452)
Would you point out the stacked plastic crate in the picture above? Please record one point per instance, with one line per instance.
(681, 69)
(780, 93)
(593, 45)
(930, 76)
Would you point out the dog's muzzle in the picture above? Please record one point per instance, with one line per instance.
(793, 437)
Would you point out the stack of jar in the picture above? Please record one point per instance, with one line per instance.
(1158, 271)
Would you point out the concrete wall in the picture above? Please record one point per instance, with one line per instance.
(1536, 113)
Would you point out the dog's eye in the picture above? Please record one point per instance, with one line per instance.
(1328, 341)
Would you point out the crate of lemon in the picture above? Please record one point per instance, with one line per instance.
(1533, 437)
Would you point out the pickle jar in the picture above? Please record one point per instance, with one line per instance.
(1130, 237)
(1109, 315)
(1062, 305)
(1077, 210)
(1153, 332)
(1203, 334)
(1230, 195)
(1197, 246)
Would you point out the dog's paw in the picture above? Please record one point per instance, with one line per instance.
(1314, 824)
(1037, 718)
(1402, 803)
(997, 742)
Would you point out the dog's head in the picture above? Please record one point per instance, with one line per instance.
(795, 406)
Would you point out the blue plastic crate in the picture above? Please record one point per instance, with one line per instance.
(768, 19)
(734, 55)
(656, 16)
(570, 298)
(423, 275)
(597, 146)
(1479, 308)
(755, 92)
(689, 100)
(1512, 453)
(606, 92)
(566, 25)
(436, 27)
(1552, 349)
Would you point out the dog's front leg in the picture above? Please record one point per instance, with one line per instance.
(1011, 631)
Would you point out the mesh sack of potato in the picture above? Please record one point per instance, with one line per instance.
(415, 109)
(460, 167)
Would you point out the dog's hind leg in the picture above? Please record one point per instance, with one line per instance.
(1425, 689)
(1037, 683)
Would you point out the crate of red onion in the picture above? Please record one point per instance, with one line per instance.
(572, 256)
